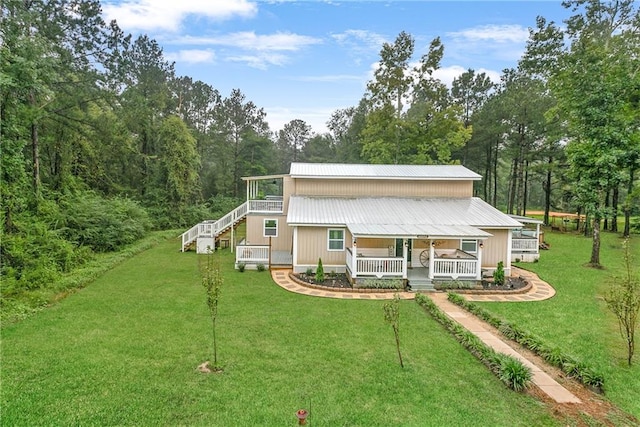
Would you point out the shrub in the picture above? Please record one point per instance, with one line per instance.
(260, 267)
(381, 284)
(309, 272)
(320, 272)
(104, 225)
(498, 275)
(241, 267)
(554, 356)
(513, 373)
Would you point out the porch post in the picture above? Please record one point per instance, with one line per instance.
(405, 255)
(538, 238)
(295, 248)
(233, 242)
(479, 260)
(507, 264)
(432, 253)
(354, 256)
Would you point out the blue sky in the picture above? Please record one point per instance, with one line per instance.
(305, 59)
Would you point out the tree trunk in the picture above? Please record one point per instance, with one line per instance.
(586, 225)
(547, 195)
(525, 189)
(495, 173)
(606, 210)
(595, 248)
(487, 173)
(512, 186)
(627, 203)
(614, 205)
(35, 151)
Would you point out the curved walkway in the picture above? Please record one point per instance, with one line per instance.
(539, 290)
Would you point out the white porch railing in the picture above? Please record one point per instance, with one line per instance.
(455, 268)
(379, 267)
(214, 228)
(524, 245)
(252, 255)
(375, 266)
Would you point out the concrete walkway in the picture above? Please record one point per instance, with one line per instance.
(478, 327)
(539, 291)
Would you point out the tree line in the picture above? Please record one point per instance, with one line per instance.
(102, 141)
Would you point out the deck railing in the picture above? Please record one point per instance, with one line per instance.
(455, 268)
(213, 228)
(252, 255)
(524, 245)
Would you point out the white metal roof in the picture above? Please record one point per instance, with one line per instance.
(356, 171)
(382, 216)
(526, 219)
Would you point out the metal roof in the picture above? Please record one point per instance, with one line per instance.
(400, 216)
(526, 219)
(417, 230)
(356, 171)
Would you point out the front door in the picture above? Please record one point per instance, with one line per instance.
(399, 251)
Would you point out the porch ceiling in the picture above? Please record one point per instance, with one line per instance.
(415, 231)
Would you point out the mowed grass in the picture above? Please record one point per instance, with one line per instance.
(577, 319)
(124, 351)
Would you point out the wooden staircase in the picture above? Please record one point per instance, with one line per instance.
(213, 229)
(216, 228)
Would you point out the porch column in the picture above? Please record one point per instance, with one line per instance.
(538, 238)
(479, 260)
(354, 256)
(405, 255)
(507, 263)
(432, 253)
(295, 248)
(233, 242)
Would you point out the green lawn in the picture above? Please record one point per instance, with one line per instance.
(124, 351)
(577, 318)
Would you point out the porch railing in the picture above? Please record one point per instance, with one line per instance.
(252, 255)
(375, 266)
(455, 268)
(524, 245)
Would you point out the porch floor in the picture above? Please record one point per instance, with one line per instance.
(281, 258)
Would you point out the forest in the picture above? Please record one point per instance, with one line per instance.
(101, 142)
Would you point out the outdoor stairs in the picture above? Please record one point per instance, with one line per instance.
(213, 228)
(421, 285)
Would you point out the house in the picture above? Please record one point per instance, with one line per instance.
(418, 223)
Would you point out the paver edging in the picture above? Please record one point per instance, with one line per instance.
(293, 277)
(523, 290)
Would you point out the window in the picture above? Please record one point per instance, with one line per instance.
(270, 228)
(470, 246)
(336, 240)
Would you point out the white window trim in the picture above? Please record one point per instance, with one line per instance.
(329, 240)
(264, 227)
(469, 240)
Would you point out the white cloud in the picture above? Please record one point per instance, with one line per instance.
(167, 15)
(260, 61)
(492, 33)
(315, 117)
(447, 74)
(360, 39)
(331, 78)
(191, 56)
(501, 43)
(249, 40)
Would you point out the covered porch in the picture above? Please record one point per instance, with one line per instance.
(525, 241)
(448, 253)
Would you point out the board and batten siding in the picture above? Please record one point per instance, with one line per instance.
(255, 226)
(312, 244)
(381, 188)
(495, 248)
